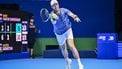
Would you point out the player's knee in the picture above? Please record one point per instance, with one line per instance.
(72, 48)
(62, 47)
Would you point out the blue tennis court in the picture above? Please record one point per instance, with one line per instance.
(41, 63)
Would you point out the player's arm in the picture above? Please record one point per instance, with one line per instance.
(74, 16)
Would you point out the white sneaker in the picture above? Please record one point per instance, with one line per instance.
(81, 66)
(68, 65)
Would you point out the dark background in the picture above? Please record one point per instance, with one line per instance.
(118, 18)
(98, 16)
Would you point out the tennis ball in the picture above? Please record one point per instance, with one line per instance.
(54, 16)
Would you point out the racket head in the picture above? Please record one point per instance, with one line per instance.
(44, 13)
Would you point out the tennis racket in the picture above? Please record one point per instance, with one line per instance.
(44, 13)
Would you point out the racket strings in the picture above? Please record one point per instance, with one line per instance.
(44, 15)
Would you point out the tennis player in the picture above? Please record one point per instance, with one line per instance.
(63, 31)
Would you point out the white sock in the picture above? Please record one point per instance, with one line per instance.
(67, 59)
(79, 62)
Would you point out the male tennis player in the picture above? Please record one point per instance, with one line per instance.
(63, 31)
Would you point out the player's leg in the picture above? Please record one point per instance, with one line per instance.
(75, 52)
(65, 54)
(62, 43)
(64, 51)
(73, 48)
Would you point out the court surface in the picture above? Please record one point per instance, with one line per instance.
(42, 63)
